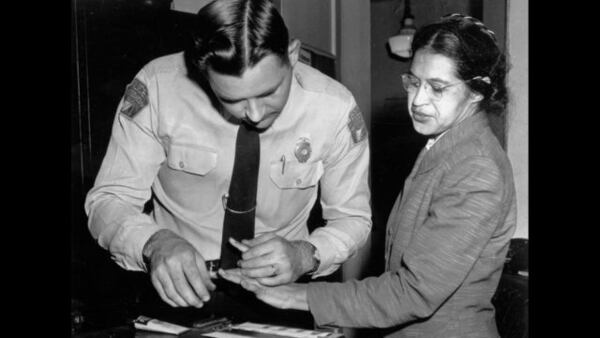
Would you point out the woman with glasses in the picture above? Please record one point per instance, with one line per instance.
(449, 230)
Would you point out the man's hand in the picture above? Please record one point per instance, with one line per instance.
(177, 270)
(290, 296)
(273, 260)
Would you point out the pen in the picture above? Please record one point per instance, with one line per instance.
(282, 164)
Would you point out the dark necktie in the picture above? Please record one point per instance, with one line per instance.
(240, 205)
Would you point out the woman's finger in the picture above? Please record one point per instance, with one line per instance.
(232, 275)
(260, 272)
(250, 285)
(273, 281)
(242, 247)
(260, 239)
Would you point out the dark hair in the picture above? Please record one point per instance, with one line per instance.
(232, 35)
(474, 49)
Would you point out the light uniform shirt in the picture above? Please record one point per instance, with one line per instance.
(168, 139)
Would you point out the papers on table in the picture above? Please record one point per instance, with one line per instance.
(255, 330)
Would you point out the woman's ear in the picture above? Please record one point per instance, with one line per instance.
(475, 96)
(294, 51)
(478, 96)
(485, 79)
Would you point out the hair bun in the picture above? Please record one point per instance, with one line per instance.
(471, 20)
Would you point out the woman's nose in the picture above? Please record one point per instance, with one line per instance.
(421, 96)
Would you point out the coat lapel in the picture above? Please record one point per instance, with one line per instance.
(426, 161)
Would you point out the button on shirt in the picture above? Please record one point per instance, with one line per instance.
(182, 149)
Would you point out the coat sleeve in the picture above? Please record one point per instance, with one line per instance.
(123, 185)
(464, 212)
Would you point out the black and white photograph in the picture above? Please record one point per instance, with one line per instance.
(299, 168)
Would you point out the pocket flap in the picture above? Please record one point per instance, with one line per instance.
(191, 159)
(296, 175)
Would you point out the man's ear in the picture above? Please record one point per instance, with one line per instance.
(294, 51)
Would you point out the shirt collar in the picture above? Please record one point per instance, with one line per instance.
(433, 140)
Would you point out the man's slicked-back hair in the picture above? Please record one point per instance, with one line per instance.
(231, 36)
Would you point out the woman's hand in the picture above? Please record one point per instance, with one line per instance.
(289, 296)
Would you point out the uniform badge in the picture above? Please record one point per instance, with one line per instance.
(357, 126)
(303, 149)
(135, 98)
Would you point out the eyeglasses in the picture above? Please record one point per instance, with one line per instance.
(434, 91)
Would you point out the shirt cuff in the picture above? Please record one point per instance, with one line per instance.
(327, 255)
(127, 247)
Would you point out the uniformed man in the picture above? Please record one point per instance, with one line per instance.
(174, 141)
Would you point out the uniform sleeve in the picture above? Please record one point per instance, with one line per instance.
(115, 203)
(345, 194)
(464, 214)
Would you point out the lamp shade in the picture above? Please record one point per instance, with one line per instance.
(400, 44)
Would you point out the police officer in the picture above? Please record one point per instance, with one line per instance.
(173, 141)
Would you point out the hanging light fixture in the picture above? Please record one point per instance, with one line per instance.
(400, 44)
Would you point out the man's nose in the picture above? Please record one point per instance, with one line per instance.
(255, 111)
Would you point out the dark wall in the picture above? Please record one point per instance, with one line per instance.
(386, 16)
(111, 41)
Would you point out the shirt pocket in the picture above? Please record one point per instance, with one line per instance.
(296, 175)
(191, 159)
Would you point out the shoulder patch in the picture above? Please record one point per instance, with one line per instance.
(357, 126)
(135, 98)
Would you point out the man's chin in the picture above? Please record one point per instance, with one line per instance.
(262, 125)
(259, 127)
